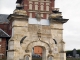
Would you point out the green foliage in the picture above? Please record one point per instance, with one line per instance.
(78, 51)
(37, 59)
(73, 59)
(70, 52)
(3, 59)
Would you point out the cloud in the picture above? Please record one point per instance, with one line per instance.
(7, 6)
(71, 44)
(71, 34)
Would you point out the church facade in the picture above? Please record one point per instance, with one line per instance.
(36, 24)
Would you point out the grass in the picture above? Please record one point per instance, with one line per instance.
(73, 59)
(41, 59)
(37, 59)
(2, 59)
(66, 59)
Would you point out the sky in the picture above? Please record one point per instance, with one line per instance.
(70, 10)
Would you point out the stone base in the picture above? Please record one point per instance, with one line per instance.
(62, 56)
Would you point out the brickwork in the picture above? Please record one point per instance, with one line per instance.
(44, 7)
(3, 47)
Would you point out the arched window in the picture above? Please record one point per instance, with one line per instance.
(55, 41)
(26, 57)
(50, 58)
(30, 5)
(36, 5)
(47, 6)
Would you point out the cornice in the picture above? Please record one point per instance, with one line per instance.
(61, 20)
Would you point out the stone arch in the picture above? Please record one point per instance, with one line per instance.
(50, 57)
(38, 43)
(26, 57)
(45, 46)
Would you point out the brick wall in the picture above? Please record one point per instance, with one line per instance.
(7, 28)
(31, 7)
(4, 27)
(3, 47)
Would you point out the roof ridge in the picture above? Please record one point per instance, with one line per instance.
(4, 32)
(4, 14)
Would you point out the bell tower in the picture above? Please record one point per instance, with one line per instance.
(44, 7)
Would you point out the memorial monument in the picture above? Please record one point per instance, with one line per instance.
(36, 23)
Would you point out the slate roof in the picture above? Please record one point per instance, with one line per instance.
(3, 18)
(3, 34)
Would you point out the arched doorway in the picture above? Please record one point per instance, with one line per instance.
(38, 53)
(43, 45)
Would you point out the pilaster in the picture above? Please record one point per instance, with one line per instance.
(56, 23)
(19, 29)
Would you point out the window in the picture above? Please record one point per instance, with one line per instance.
(0, 39)
(50, 58)
(0, 45)
(0, 48)
(26, 57)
